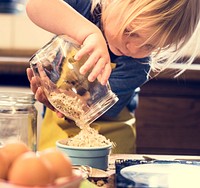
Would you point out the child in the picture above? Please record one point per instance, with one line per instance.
(135, 35)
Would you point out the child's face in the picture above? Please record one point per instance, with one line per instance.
(133, 45)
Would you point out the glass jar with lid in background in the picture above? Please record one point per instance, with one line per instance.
(18, 118)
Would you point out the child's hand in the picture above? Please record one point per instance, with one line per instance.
(98, 62)
(38, 91)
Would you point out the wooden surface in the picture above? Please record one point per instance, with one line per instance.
(13, 64)
(168, 116)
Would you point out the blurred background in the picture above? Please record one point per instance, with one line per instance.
(168, 117)
(20, 38)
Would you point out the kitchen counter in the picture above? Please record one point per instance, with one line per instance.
(13, 65)
(16, 62)
(13, 69)
(190, 74)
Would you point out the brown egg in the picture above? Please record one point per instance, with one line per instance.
(4, 164)
(14, 149)
(61, 164)
(30, 170)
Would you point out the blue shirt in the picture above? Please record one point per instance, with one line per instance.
(129, 74)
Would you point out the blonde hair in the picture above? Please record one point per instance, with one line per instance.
(177, 24)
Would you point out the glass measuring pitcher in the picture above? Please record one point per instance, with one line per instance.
(66, 89)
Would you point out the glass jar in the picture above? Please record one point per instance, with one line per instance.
(66, 89)
(18, 118)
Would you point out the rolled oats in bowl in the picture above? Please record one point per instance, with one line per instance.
(87, 137)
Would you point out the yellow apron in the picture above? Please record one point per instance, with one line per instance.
(121, 130)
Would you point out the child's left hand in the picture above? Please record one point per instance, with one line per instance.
(39, 92)
(99, 59)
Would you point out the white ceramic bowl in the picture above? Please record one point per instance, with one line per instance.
(96, 157)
